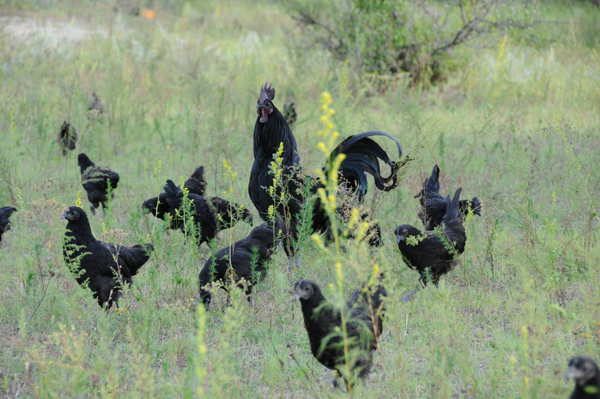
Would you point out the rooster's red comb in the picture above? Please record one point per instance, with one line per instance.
(267, 92)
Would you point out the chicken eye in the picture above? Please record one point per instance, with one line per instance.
(306, 288)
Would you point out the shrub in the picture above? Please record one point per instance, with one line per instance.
(384, 37)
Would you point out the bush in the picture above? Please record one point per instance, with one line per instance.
(384, 37)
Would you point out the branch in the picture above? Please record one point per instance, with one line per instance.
(518, 25)
(460, 37)
(470, 27)
(306, 19)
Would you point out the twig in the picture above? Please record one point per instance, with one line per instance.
(297, 363)
(41, 300)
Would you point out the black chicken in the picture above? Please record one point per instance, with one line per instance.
(104, 266)
(67, 137)
(323, 324)
(434, 252)
(433, 205)
(248, 256)
(290, 114)
(96, 181)
(5, 214)
(159, 207)
(373, 234)
(96, 105)
(210, 214)
(586, 374)
(271, 130)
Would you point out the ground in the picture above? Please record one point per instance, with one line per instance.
(515, 123)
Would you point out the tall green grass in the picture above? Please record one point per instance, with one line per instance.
(516, 125)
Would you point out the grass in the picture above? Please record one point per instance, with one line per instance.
(515, 125)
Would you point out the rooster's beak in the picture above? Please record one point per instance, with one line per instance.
(260, 106)
(64, 215)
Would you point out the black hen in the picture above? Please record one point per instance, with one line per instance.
(67, 137)
(434, 251)
(586, 374)
(5, 214)
(323, 324)
(196, 183)
(372, 235)
(271, 130)
(96, 182)
(290, 114)
(159, 207)
(104, 266)
(248, 257)
(96, 105)
(210, 214)
(433, 205)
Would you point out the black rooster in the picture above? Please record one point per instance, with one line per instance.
(323, 324)
(586, 374)
(67, 137)
(159, 207)
(96, 182)
(5, 214)
(434, 252)
(248, 258)
(433, 205)
(271, 130)
(104, 266)
(210, 214)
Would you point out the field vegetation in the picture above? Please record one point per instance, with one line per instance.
(515, 121)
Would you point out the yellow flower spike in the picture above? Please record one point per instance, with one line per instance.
(513, 360)
(320, 174)
(524, 332)
(321, 146)
(318, 242)
(270, 211)
(78, 201)
(362, 230)
(376, 270)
